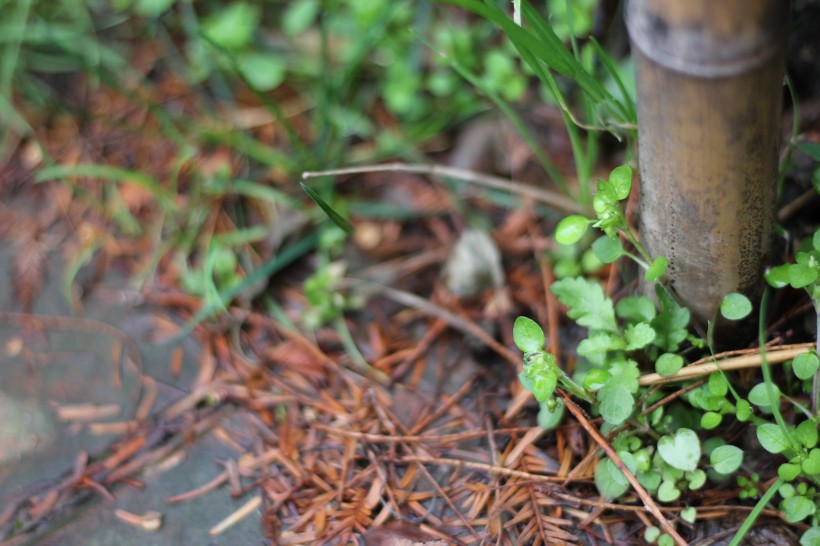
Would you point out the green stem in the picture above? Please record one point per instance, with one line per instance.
(815, 384)
(774, 401)
(636, 243)
(574, 388)
(755, 513)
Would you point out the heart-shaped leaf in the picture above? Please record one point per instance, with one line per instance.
(609, 479)
(797, 508)
(667, 492)
(681, 451)
(811, 464)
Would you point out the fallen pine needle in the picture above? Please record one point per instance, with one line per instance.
(241, 513)
(150, 521)
(85, 412)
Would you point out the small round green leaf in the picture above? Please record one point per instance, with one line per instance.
(689, 514)
(805, 365)
(570, 230)
(710, 420)
(801, 275)
(778, 277)
(798, 508)
(744, 410)
(696, 479)
(726, 459)
(651, 534)
(717, 384)
(772, 438)
(528, 335)
(815, 240)
(681, 451)
(608, 249)
(657, 269)
(811, 537)
(547, 419)
(299, 16)
(666, 540)
(759, 395)
(543, 385)
(711, 444)
(651, 480)
(788, 471)
(806, 433)
(609, 479)
(811, 464)
(735, 306)
(668, 364)
(621, 180)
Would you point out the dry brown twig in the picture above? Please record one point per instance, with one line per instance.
(645, 497)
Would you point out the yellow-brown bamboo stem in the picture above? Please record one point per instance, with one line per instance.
(709, 79)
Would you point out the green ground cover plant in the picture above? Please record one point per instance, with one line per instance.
(381, 79)
(663, 448)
